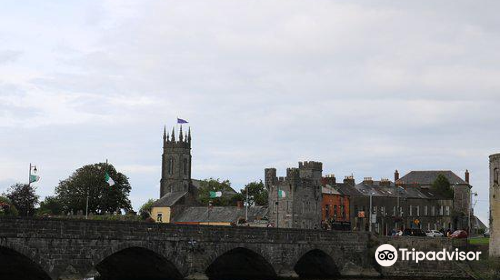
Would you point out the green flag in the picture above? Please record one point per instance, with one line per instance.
(34, 178)
(109, 180)
(215, 194)
(281, 194)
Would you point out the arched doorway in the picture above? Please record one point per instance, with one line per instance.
(316, 264)
(16, 266)
(136, 263)
(240, 264)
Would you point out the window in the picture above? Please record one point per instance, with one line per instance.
(394, 211)
(382, 210)
(495, 175)
(418, 210)
(447, 211)
(441, 210)
(185, 166)
(327, 211)
(411, 210)
(425, 210)
(334, 210)
(433, 211)
(170, 166)
(159, 217)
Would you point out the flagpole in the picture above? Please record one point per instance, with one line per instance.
(29, 177)
(246, 208)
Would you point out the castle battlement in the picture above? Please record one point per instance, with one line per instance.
(311, 165)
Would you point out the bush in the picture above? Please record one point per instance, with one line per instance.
(7, 208)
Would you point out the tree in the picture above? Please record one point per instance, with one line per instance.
(442, 186)
(50, 206)
(23, 197)
(89, 180)
(7, 208)
(216, 185)
(146, 209)
(257, 193)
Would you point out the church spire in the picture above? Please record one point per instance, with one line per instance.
(164, 133)
(189, 134)
(180, 135)
(173, 135)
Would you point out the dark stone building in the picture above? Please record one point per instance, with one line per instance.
(461, 188)
(301, 206)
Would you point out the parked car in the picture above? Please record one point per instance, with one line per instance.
(486, 233)
(413, 232)
(434, 233)
(459, 234)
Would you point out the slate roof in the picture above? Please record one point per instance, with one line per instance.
(376, 189)
(328, 189)
(169, 199)
(426, 178)
(346, 189)
(229, 214)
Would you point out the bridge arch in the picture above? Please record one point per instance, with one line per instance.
(18, 262)
(240, 263)
(316, 264)
(137, 260)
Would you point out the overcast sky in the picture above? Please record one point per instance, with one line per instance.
(366, 87)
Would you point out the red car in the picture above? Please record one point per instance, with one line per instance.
(459, 234)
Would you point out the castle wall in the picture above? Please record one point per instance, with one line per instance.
(495, 205)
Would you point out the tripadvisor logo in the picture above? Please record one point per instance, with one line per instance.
(387, 255)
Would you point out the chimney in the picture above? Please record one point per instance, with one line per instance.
(329, 179)
(384, 182)
(467, 176)
(349, 180)
(368, 181)
(396, 175)
(239, 204)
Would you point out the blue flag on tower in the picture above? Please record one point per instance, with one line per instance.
(181, 121)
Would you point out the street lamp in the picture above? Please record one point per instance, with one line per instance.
(470, 209)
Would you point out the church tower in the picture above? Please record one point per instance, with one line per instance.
(176, 163)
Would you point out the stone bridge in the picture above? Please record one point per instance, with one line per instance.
(75, 249)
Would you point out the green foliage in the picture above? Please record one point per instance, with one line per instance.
(442, 186)
(23, 197)
(146, 209)
(50, 206)
(479, 241)
(257, 193)
(211, 184)
(90, 180)
(7, 208)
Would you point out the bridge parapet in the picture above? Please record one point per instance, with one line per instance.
(70, 249)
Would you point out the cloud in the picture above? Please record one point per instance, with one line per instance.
(8, 56)
(364, 87)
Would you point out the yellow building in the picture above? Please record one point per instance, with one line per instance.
(161, 214)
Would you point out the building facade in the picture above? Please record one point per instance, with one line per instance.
(389, 206)
(495, 205)
(461, 192)
(295, 200)
(335, 212)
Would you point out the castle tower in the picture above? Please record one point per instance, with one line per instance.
(495, 205)
(300, 207)
(176, 163)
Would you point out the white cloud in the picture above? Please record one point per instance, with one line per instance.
(366, 87)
